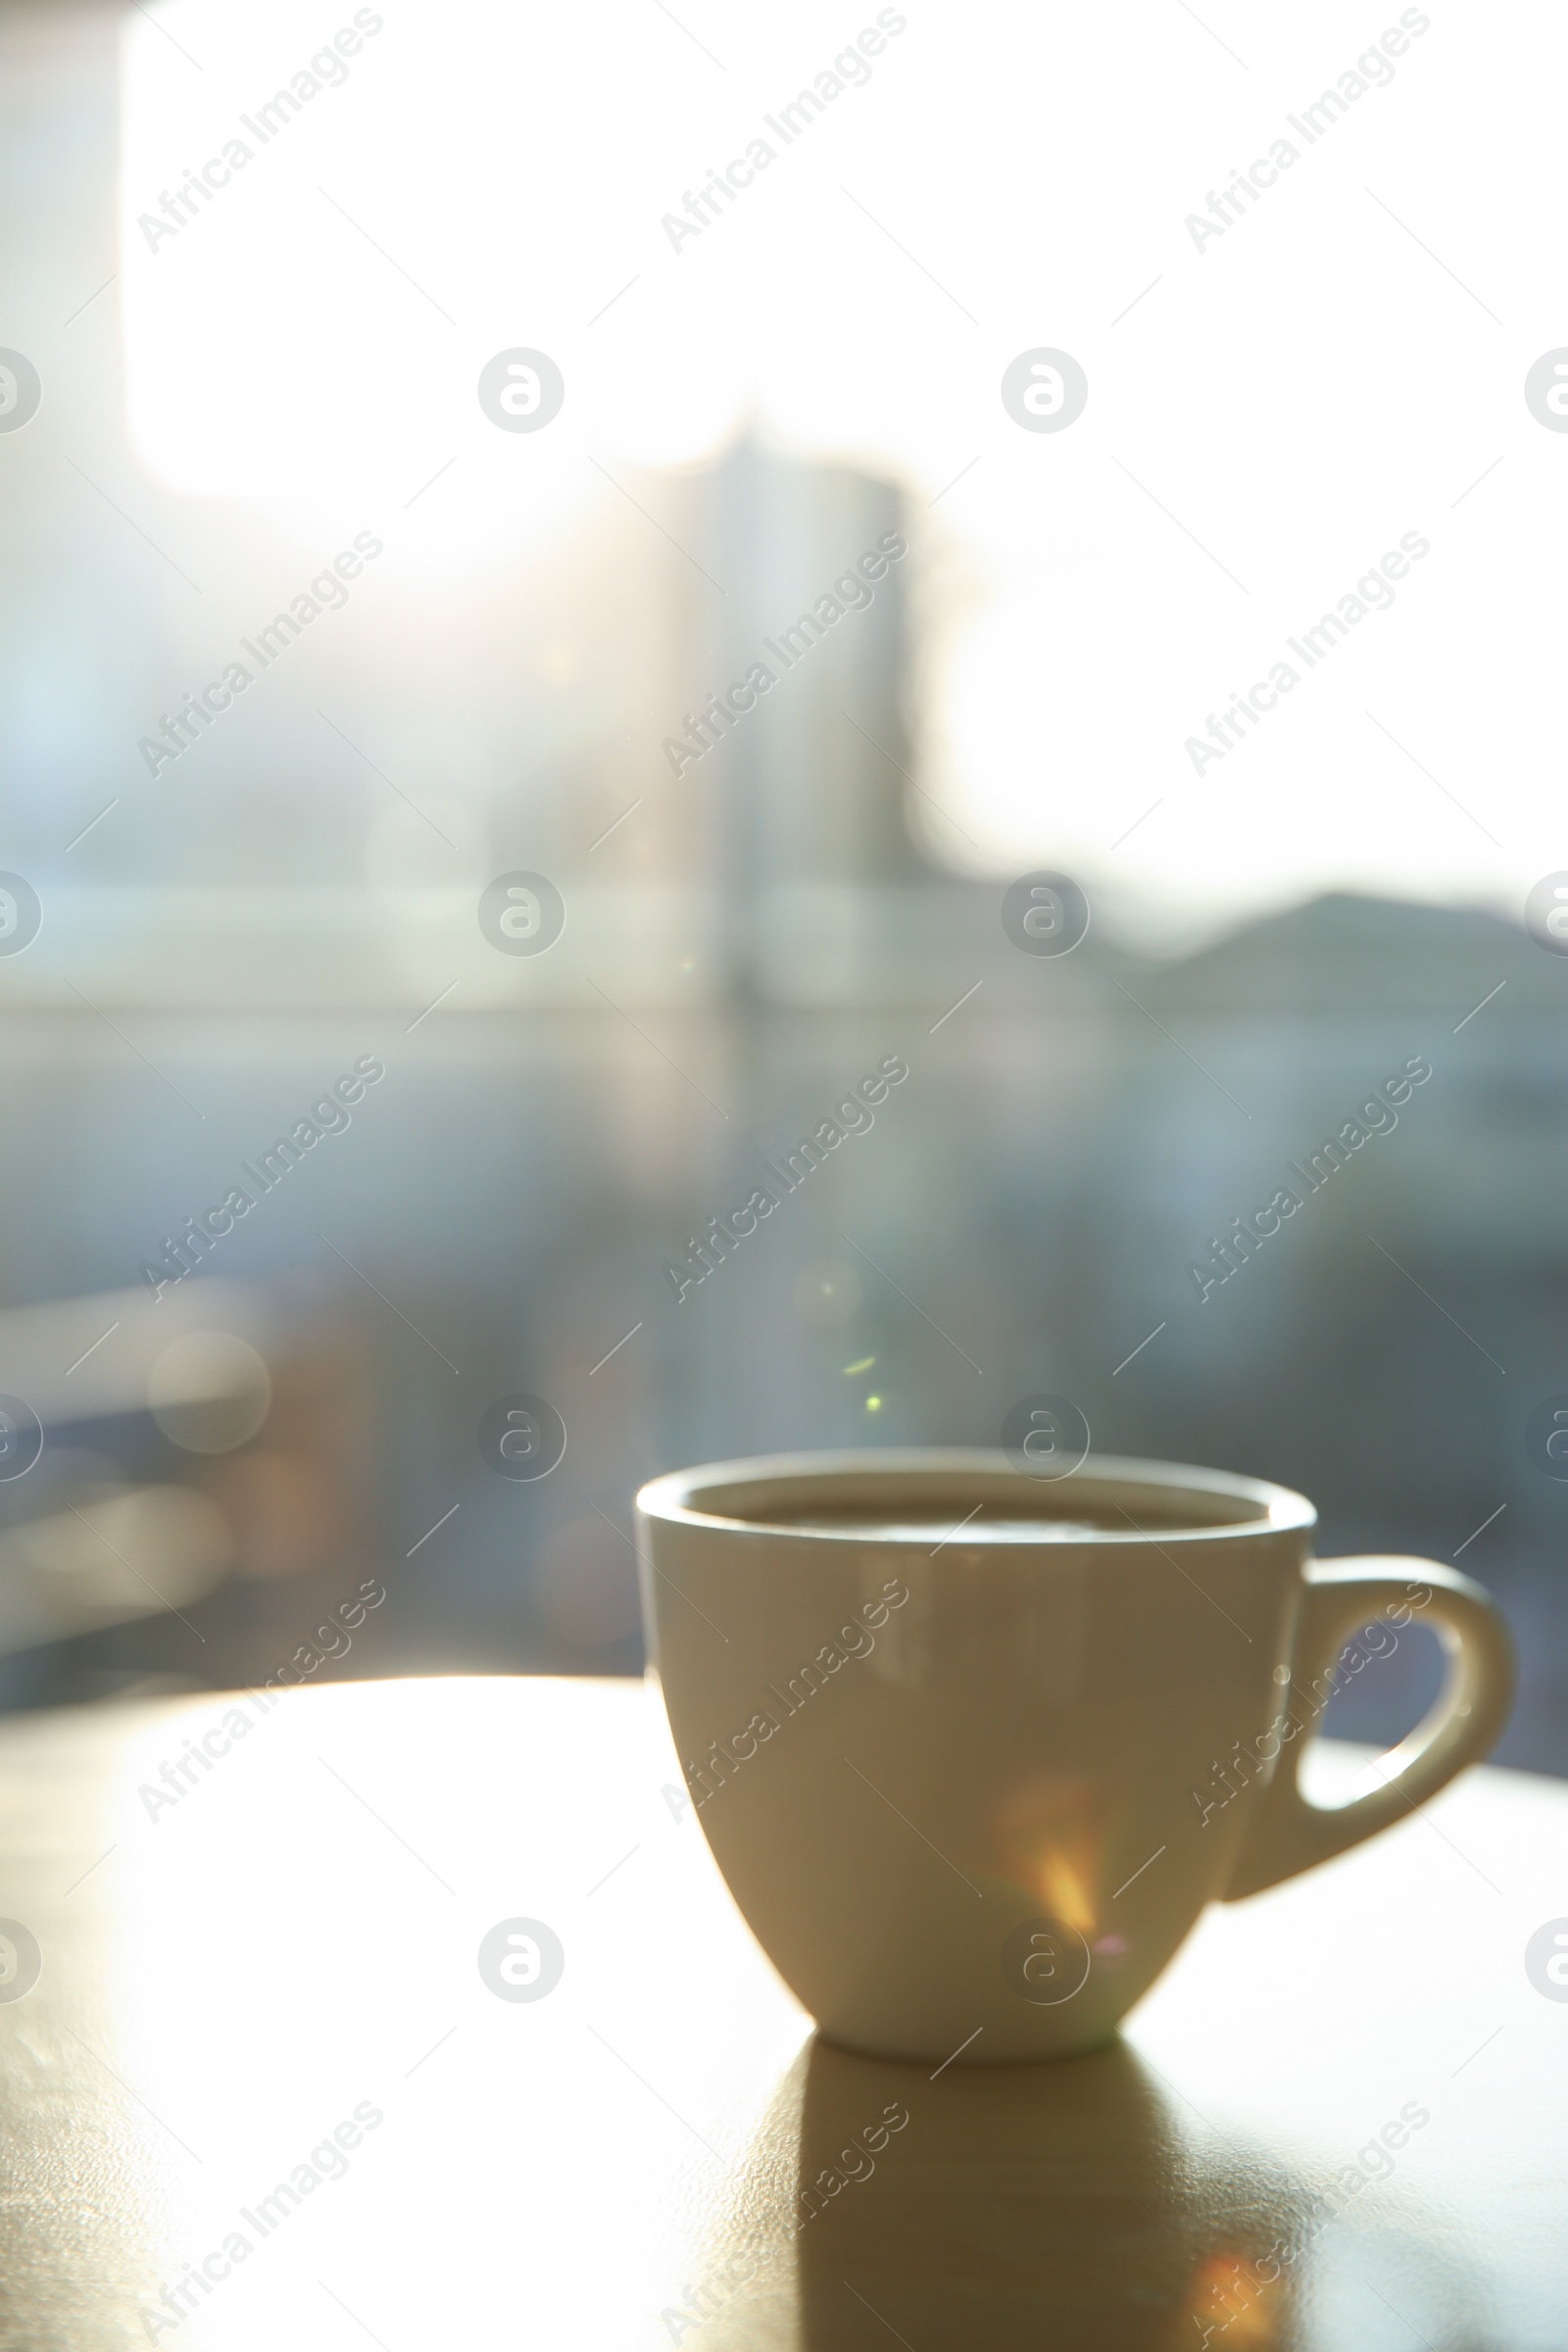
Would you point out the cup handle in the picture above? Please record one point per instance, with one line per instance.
(1339, 1598)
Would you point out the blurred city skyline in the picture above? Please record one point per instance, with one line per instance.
(1008, 640)
(223, 411)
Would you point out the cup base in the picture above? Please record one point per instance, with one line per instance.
(974, 2055)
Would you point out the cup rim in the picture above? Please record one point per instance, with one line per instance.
(675, 1498)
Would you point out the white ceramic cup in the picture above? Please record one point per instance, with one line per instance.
(974, 1750)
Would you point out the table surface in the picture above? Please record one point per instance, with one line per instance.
(229, 1977)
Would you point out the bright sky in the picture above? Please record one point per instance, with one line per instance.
(1342, 367)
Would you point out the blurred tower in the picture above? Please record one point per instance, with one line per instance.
(807, 787)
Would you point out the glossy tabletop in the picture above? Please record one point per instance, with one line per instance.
(264, 2092)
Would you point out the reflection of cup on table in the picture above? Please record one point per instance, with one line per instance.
(974, 1750)
(1067, 2206)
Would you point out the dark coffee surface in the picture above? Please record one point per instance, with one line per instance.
(987, 1525)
